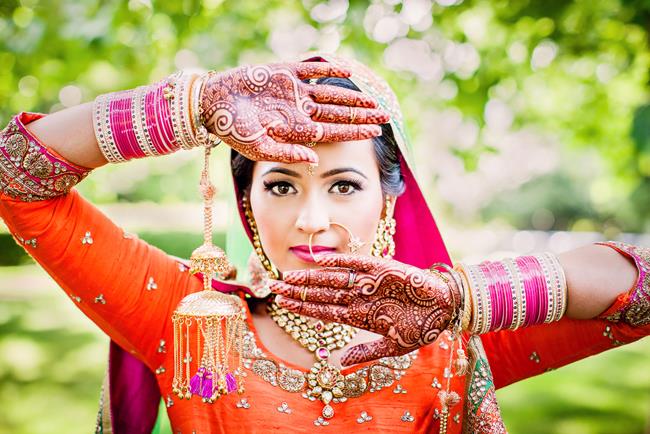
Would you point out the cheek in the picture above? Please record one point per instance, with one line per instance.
(362, 218)
(269, 221)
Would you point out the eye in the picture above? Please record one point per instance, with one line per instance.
(345, 188)
(280, 188)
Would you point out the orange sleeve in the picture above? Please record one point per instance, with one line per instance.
(526, 352)
(126, 286)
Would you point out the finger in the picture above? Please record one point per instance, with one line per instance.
(328, 94)
(306, 70)
(345, 133)
(311, 293)
(355, 262)
(268, 149)
(338, 278)
(383, 347)
(348, 115)
(322, 311)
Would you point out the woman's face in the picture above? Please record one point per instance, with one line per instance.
(289, 204)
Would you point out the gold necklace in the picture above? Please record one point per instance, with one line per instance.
(325, 381)
(372, 378)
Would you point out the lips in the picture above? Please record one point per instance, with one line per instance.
(302, 252)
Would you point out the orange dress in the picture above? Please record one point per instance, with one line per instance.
(130, 289)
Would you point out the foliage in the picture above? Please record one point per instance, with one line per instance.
(543, 88)
(535, 112)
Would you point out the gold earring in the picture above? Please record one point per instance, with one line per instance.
(257, 243)
(384, 245)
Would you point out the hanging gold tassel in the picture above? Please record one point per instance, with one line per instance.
(208, 325)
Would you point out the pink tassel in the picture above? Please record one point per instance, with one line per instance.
(196, 381)
(206, 388)
(231, 383)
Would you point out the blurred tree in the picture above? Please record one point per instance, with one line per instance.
(549, 88)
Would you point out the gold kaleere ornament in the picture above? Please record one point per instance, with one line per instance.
(208, 325)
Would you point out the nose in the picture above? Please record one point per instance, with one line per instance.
(313, 217)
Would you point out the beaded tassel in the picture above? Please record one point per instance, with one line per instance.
(209, 319)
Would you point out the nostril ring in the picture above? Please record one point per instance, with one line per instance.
(354, 242)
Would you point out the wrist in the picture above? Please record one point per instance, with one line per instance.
(513, 293)
(457, 294)
(207, 97)
(149, 120)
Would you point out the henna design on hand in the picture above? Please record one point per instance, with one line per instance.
(265, 112)
(410, 307)
(312, 293)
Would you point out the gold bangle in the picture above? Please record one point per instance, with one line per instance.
(458, 308)
(469, 304)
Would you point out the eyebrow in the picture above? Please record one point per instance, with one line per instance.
(282, 170)
(342, 170)
(329, 173)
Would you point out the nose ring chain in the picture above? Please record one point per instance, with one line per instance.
(354, 242)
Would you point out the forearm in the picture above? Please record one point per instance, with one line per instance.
(607, 308)
(596, 275)
(596, 281)
(152, 120)
(70, 133)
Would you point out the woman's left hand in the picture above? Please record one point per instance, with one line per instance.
(410, 307)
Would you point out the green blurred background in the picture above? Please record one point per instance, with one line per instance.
(531, 128)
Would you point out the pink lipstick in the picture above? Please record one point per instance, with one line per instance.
(302, 252)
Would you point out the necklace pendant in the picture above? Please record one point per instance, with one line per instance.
(327, 375)
(327, 384)
(328, 412)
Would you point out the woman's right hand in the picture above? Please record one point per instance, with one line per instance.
(265, 112)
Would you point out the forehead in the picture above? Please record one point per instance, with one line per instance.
(359, 154)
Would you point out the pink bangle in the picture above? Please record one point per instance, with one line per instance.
(506, 294)
(536, 290)
(140, 123)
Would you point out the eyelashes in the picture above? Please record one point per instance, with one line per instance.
(342, 187)
(279, 188)
(347, 183)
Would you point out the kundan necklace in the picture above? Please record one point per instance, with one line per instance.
(325, 381)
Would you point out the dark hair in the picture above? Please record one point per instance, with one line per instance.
(386, 152)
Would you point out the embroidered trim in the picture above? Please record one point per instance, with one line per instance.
(482, 413)
(325, 384)
(29, 171)
(636, 310)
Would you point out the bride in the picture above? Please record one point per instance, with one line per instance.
(371, 327)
